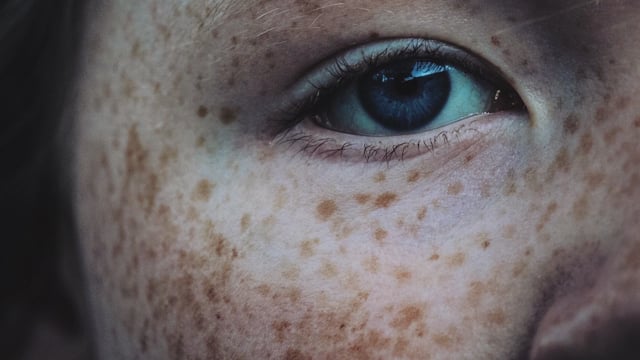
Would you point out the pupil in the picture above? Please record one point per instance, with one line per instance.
(405, 96)
(407, 87)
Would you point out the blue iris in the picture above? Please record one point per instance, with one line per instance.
(405, 96)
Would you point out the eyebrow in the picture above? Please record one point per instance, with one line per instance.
(537, 11)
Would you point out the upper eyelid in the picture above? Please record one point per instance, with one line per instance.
(364, 56)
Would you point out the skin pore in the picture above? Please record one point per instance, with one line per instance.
(204, 238)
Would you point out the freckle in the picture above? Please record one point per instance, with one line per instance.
(455, 188)
(561, 161)
(307, 247)
(328, 270)
(456, 260)
(235, 62)
(434, 257)
(294, 354)
(245, 222)
(291, 272)
(413, 176)
(422, 213)
(636, 122)
(601, 115)
(594, 180)
(227, 115)
(374, 35)
(485, 190)
(518, 268)
(586, 143)
(371, 264)
(580, 207)
(495, 40)
(402, 274)
(496, 317)
(264, 289)
(468, 158)
(362, 198)
(202, 192)
(509, 231)
(510, 187)
(380, 234)
(326, 209)
(234, 40)
(484, 241)
(551, 208)
(611, 135)
(385, 200)
(280, 327)
(406, 317)
(380, 177)
(202, 111)
(571, 124)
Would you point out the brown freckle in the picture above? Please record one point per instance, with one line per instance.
(362, 198)
(294, 354)
(601, 115)
(485, 241)
(328, 270)
(495, 40)
(245, 222)
(581, 207)
(407, 316)
(519, 268)
(561, 161)
(455, 188)
(202, 191)
(385, 200)
(510, 187)
(551, 208)
(380, 234)
(509, 231)
(636, 122)
(571, 124)
(594, 180)
(371, 264)
(380, 177)
(281, 328)
(202, 111)
(611, 135)
(227, 115)
(469, 158)
(307, 247)
(434, 257)
(456, 260)
(234, 40)
(413, 176)
(291, 272)
(326, 209)
(422, 213)
(374, 35)
(402, 274)
(586, 143)
(496, 317)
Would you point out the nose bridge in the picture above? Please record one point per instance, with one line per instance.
(601, 321)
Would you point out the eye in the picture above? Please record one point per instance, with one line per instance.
(391, 89)
(407, 96)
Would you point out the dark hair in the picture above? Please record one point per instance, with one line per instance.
(38, 50)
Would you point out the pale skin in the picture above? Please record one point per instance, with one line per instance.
(203, 238)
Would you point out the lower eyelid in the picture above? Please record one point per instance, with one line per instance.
(308, 140)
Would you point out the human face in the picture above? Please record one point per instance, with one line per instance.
(203, 237)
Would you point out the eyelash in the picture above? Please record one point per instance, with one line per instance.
(340, 71)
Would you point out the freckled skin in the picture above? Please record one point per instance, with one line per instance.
(201, 238)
